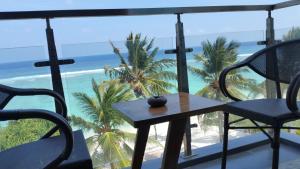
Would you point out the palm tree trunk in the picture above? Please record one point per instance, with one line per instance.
(220, 118)
(220, 125)
(201, 122)
(112, 166)
(155, 132)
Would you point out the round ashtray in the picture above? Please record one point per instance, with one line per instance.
(157, 101)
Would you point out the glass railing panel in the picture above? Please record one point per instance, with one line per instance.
(91, 61)
(204, 70)
(17, 70)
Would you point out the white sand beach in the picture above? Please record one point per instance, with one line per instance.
(200, 138)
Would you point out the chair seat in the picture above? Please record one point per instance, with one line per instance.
(269, 111)
(36, 155)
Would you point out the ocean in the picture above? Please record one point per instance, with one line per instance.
(77, 77)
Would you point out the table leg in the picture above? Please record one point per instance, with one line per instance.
(173, 143)
(139, 147)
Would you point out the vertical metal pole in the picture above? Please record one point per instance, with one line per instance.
(183, 84)
(270, 40)
(270, 32)
(54, 63)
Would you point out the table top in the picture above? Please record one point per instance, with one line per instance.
(181, 105)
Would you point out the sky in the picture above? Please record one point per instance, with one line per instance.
(25, 33)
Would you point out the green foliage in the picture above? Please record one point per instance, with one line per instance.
(141, 71)
(294, 33)
(108, 144)
(215, 58)
(22, 131)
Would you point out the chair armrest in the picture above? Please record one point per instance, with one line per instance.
(32, 92)
(292, 92)
(59, 120)
(222, 79)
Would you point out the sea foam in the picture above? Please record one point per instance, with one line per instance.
(71, 74)
(43, 76)
(64, 75)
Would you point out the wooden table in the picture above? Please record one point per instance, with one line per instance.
(178, 108)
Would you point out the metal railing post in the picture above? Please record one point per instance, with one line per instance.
(270, 39)
(182, 75)
(54, 63)
(270, 32)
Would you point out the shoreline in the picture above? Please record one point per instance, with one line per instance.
(75, 73)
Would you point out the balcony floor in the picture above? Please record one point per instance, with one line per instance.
(250, 152)
(257, 158)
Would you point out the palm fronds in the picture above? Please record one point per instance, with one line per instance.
(212, 61)
(141, 71)
(107, 142)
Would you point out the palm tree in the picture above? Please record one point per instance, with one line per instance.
(293, 33)
(108, 144)
(141, 71)
(215, 57)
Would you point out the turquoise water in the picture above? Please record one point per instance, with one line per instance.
(77, 78)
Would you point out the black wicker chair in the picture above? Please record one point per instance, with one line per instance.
(66, 151)
(279, 63)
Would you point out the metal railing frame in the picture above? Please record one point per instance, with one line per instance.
(180, 50)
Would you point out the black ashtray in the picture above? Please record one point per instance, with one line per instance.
(157, 101)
